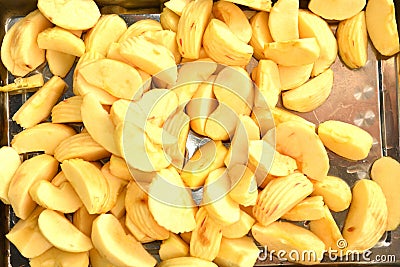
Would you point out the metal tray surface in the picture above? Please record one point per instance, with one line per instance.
(366, 97)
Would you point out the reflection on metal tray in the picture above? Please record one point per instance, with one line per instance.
(366, 97)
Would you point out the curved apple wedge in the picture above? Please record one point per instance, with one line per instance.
(62, 233)
(56, 257)
(9, 163)
(42, 167)
(118, 248)
(47, 137)
(63, 198)
(336, 9)
(297, 140)
(88, 182)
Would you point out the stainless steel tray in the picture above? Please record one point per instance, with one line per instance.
(366, 97)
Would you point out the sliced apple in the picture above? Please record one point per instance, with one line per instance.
(59, 63)
(239, 228)
(110, 240)
(173, 247)
(336, 10)
(42, 167)
(283, 20)
(292, 77)
(311, 208)
(58, 257)
(244, 186)
(61, 40)
(9, 163)
(298, 141)
(237, 252)
(261, 33)
(83, 220)
(62, 233)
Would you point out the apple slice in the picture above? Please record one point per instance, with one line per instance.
(62, 233)
(294, 52)
(110, 240)
(381, 25)
(27, 238)
(336, 9)
(237, 252)
(61, 40)
(42, 167)
(239, 228)
(83, 220)
(283, 20)
(173, 247)
(58, 257)
(9, 163)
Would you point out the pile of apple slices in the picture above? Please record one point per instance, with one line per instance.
(126, 177)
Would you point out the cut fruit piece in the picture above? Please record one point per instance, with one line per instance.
(260, 33)
(266, 77)
(352, 38)
(264, 5)
(56, 257)
(335, 191)
(116, 186)
(166, 38)
(244, 185)
(49, 196)
(345, 139)
(110, 240)
(311, 25)
(81, 146)
(384, 171)
(20, 53)
(311, 208)
(281, 115)
(88, 182)
(177, 6)
(237, 252)
(175, 212)
(216, 199)
(47, 137)
(311, 94)
(27, 238)
(292, 77)
(186, 262)
(98, 123)
(283, 20)
(328, 231)
(297, 140)
(293, 240)
(191, 27)
(173, 247)
(139, 28)
(62, 233)
(71, 15)
(279, 196)
(38, 107)
(223, 46)
(206, 237)
(117, 78)
(169, 19)
(239, 228)
(9, 163)
(41, 167)
(59, 63)
(366, 220)
(235, 18)
(61, 40)
(83, 220)
(336, 9)
(294, 52)
(107, 30)
(135, 231)
(381, 25)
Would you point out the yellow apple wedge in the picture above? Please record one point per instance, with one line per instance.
(381, 25)
(41, 167)
(173, 247)
(9, 163)
(293, 52)
(216, 200)
(110, 240)
(264, 5)
(166, 38)
(136, 232)
(27, 238)
(49, 196)
(311, 25)
(281, 115)
(83, 220)
(59, 63)
(268, 82)
(38, 107)
(116, 186)
(62, 233)
(58, 257)
(175, 212)
(283, 20)
(235, 18)
(384, 172)
(177, 6)
(61, 40)
(237, 252)
(108, 29)
(139, 28)
(47, 137)
(119, 208)
(20, 53)
(169, 19)
(88, 182)
(336, 10)
(98, 123)
(292, 77)
(239, 228)
(97, 260)
(81, 146)
(300, 142)
(311, 208)
(260, 33)
(244, 185)
(71, 15)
